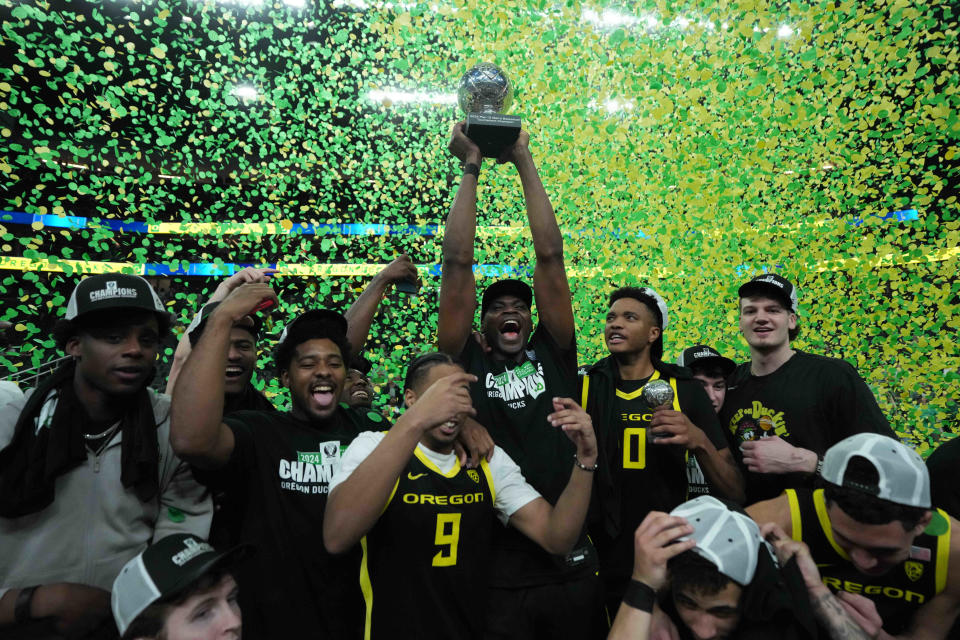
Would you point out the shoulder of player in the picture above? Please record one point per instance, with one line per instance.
(823, 363)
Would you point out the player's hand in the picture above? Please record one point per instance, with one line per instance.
(775, 455)
(519, 150)
(76, 609)
(674, 427)
(473, 443)
(446, 399)
(786, 548)
(242, 300)
(578, 426)
(401, 269)
(462, 147)
(652, 546)
(249, 274)
(863, 611)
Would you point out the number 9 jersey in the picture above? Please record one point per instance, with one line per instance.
(425, 563)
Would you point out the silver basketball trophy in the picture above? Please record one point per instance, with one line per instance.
(485, 93)
(657, 393)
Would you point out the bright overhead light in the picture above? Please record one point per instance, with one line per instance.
(298, 4)
(397, 96)
(245, 92)
(827, 165)
(785, 31)
(681, 23)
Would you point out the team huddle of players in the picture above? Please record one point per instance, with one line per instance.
(517, 495)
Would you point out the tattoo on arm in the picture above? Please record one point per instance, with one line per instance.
(831, 614)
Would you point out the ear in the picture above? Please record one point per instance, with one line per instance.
(284, 378)
(72, 346)
(923, 523)
(409, 398)
(792, 321)
(654, 333)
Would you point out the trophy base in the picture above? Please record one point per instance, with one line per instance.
(492, 132)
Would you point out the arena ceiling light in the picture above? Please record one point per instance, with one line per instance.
(245, 92)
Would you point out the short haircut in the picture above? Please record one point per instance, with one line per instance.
(65, 329)
(310, 329)
(866, 508)
(640, 295)
(691, 572)
(151, 621)
(421, 365)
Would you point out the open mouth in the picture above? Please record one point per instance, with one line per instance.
(322, 393)
(360, 394)
(616, 338)
(234, 372)
(449, 427)
(510, 329)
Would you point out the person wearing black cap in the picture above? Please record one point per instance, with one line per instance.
(357, 391)
(278, 465)
(785, 407)
(644, 448)
(179, 588)
(711, 369)
(241, 359)
(520, 370)
(87, 473)
(874, 534)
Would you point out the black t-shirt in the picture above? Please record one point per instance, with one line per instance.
(279, 473)
(513, 401)
(652, 477)
(944, 486)
(811, 401)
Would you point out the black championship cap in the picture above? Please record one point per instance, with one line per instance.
(701, 355)
(164, 569)
(332, 323)
(508, 287)
(774, 286)
(112, 291)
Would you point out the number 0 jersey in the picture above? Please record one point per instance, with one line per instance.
(425, 562)
(898, 593)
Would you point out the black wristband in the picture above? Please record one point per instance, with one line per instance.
(470, 167)
(640, 596)
(21, 609)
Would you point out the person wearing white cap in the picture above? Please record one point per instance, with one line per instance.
(179, 588)
(87, 473)
(785, 407)
(644, 449)
(704, 572)
(873, 533)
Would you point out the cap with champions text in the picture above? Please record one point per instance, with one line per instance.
(773, 285)
(729, 539)
(904, 478)
(251, 323)
(112, 291)
(164, 569)
(702, 355)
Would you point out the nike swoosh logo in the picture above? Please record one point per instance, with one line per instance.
(414, 477)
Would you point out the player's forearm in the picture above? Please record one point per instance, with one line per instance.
(361, 313)
(630, 624)
(547, 239)
(355, 505)
(179, 357)
(721, 472)
(567, 517)
(832, 617)
(461, 228)
(196, 412)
